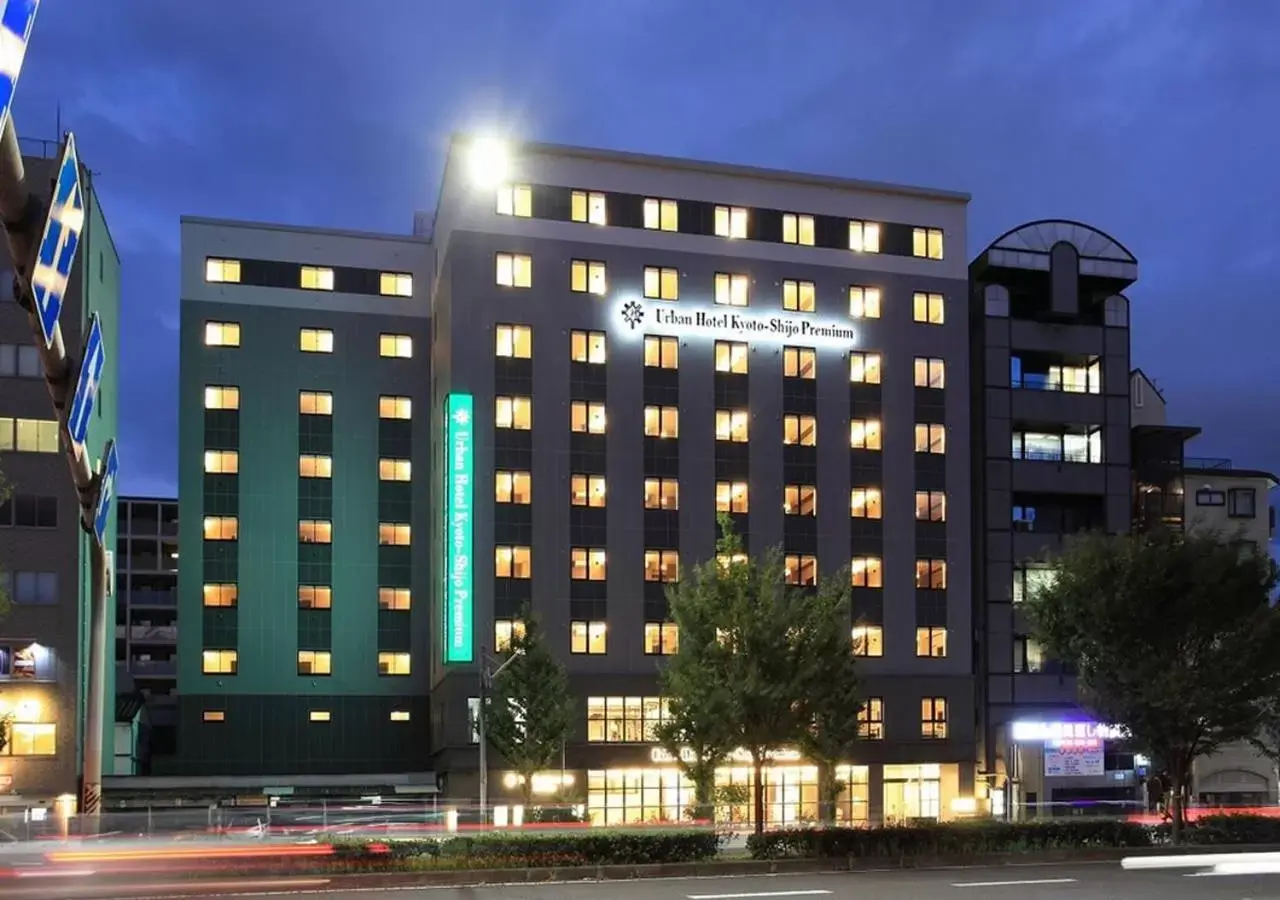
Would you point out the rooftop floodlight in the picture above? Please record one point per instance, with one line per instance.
(490, 161)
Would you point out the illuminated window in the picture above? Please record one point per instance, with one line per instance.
(394, 598)
(221, 528)
(394, 407)
(515, 200)
(316, 278)
(395, 284)
(310, 466)
(393, 663)
(731, 356)
(661, 638)
(864, 503)
(799, 500)
(514, 341)
(399, 715)
(931, 506)
(512, 562)
(801, 569)
(505, 631)
(662, 565)
(624, 720)
(871, 720)
(731, 425)
(587, 277)
(315, 403)
(661, 215)
(731, 221)
(864, 434)
(395, 346)
(926, 242)
(727, 561)
(933, 718)
(213, 715)
(732, 290)
(927, 308)
(315, 531)
(798, 296)
(514, 270)
(864, 302)
(220, 595)
(513, 487)
(589, 206)
(661, 493)
(219, 662)
(931, 642)
(394, 534)
(800, 430)
(33, 738)
(587, 490)
(732, 497)
(661, 283)
(394, 469)
(587, 347)
(318, 715)
(315, 340)
(513, 412)
(662, 422)
(800, 362)
(866, 572)
(661, 352)
(931, 438)
(221, 397)
(864, 368)
(222, 271)
(315, 662)
(797, 229)
(221, 462)
(931, 574)
(222, 334)
(588, 637)
(930, 372)
(315, 596)
(588, 418)
(864, 237)
(868, 640)
(587, 564)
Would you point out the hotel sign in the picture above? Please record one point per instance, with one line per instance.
(639, 317)
(459, 601)
(1065, 734)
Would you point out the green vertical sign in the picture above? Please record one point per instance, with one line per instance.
(459, 603)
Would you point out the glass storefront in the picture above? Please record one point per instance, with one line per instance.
(911, 793)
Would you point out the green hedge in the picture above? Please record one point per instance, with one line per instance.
(1233, 829)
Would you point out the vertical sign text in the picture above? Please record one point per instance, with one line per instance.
(459, 605)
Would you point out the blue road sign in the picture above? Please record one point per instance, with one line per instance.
(107, 471)
(15, 30)
(92, 362)
(57, 252)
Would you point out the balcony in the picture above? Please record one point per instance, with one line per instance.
(142, 598)
(153, 634)
(153, 668)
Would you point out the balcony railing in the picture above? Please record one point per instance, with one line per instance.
(1035, 381)
(152, 598)
(1206, 462)
(1075, 456)
(156, 633)
(153, 666)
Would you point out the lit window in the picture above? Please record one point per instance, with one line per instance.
(315, 340)
(515, 200)
(395, 284)
(864, 434)
(661, 283)
(394, 534)
(218, 662)
(662, 422)
(800, 362)
(587, 347)
(505, 631)
(799, 500)
(801, 569)
(931, 574)
(727, 561)
(589, 206)
(864, 302)
(318, 715)
(513, 487)
(513, 412)
(731, 425)
(315, 596)
(926, 242)
(395, 346)
(394, 407)
(800, 430)
(931, 506)
(315, 531)
(927, 308)
(864, 503)
(662, 565)
(221, 462)
(222, 334)
(661, 638)
(512, 562)
(394, 469)
(314, 662)
(797, 229)
(624, 720)
(798, 296)
(731, 221)
(661, 352)
(661, 493)
(933, 718)
(930, 372)
(731, 356)
(931, 438)
(931, 642)
(868, 640)
(514, 341)
(399, 715)
(213, 715)
(395, 598)
(586, 417)
(587, 277)
(316, 278)
(315, 403)
(871, 720)
(864, 368)
(732, 497)
(221, 528)
(661, 215)
(311, 466)
(588, 638)
(587, 564)
(514, 270)
(393, 663)
(732, 290)
(864, 237)
(29, 435)
(220, 397)
(587, 490)
(221, 594)
(222, 271)
(866, 572)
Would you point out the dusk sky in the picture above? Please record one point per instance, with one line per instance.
(1157, 122)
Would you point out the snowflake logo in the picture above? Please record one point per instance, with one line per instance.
(632, 314)
(462, 417)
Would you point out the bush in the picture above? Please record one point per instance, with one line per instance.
(1233, 829)
(553, 815)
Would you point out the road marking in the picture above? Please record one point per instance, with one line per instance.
(1029, 881)
(760, 894)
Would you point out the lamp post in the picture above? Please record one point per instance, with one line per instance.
(486, 681)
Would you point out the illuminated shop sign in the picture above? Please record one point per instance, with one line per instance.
(662, 756)
(635, 316)
(1065, 734)
(459, 602)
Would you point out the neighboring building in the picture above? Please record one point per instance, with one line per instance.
(626, 345)
(44, 553)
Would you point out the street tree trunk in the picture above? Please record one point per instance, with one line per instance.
(1177, 780)
(757, 759)
(828, 791)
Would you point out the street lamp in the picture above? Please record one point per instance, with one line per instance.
(490, 162)
(486, 680)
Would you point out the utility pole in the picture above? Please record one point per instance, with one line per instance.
(486, 682)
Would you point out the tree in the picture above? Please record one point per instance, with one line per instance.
(529, 710)
(1174, 638)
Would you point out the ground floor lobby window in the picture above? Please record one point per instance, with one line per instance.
(912, 793)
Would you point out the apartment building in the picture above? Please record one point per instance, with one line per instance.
(303, 583)
(43, 551)
(625, 346)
